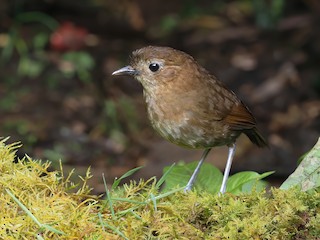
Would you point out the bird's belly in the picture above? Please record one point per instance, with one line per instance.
(192, 133)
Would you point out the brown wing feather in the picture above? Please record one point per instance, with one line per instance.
(240, 118)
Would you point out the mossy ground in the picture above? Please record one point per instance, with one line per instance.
(140, 211)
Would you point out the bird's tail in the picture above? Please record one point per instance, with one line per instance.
(256, 137)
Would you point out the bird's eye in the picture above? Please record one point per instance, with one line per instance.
(154, 67)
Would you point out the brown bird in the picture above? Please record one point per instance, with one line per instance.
(189, 106)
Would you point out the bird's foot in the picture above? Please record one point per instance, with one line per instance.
(187, 188)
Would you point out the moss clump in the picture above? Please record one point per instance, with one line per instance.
(275, 215)
(41, 206)
(46, 195)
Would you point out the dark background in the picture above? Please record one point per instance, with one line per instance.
(57, 95)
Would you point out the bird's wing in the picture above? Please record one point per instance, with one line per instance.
(239, 118)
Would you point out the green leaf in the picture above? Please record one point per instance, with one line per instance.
(40, 40)
(256, 185)
(30, 68)
(81, 60)
(307, 174)
(38, 17)
(245, 181)
(82, 63)
(209, 177)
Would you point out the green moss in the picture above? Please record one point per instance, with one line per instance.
(140, 211)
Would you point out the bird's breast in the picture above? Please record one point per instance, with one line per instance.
(182, 123)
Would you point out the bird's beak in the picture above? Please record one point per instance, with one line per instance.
(128, 70)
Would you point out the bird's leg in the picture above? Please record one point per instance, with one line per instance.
(196, 171)
(232, 149)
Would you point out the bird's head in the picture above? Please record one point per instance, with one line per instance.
(158, 66)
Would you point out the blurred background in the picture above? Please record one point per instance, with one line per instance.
(57, 95)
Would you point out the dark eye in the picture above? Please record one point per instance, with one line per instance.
(154, 67)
